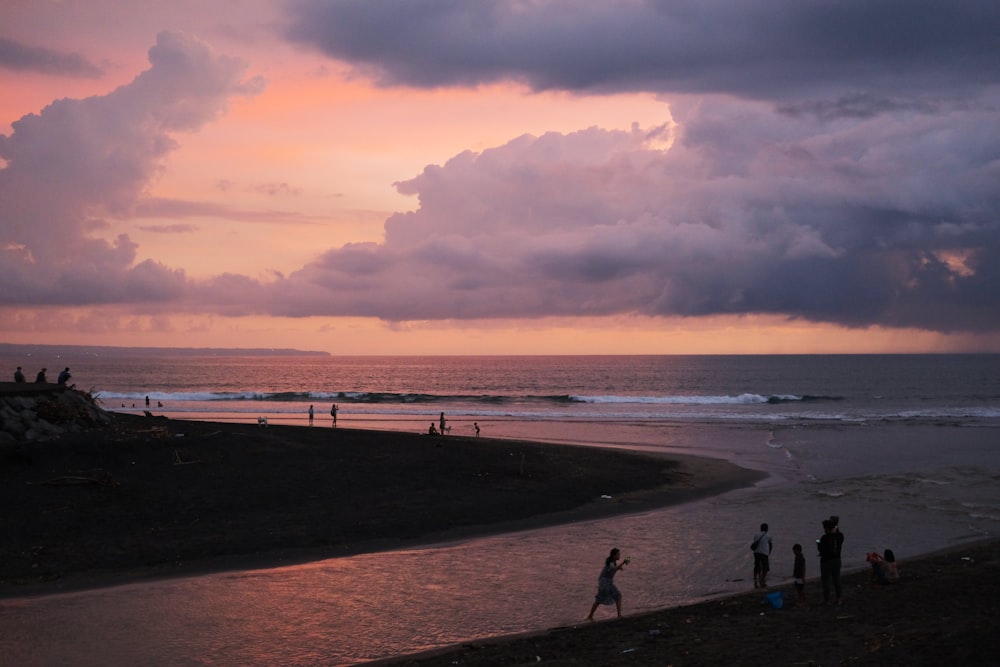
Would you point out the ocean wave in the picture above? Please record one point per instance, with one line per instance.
(740, 399)
(489, 399)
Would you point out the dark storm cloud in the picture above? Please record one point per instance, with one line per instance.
(17, 56)
(860, 224)
(766, 49)
(835, 161)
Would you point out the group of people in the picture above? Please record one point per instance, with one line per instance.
(444, 428)
(333, 414)
(828, 547)
(63, 378)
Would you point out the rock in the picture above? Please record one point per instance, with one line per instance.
(29, 412)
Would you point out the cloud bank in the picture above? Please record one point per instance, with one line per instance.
(831, 162)
(78, 161)
(18, 56)
(836, 162)
(766, 49)
(866, 223)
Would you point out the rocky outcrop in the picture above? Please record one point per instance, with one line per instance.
(30, 412)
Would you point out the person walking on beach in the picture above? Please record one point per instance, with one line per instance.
(40, 378)
(475, 425)
(442, 423)
(830, 545)
(607, 592)
(333, 413)
(761, 548)
(311, 415)
(799, 575)
(18, 375)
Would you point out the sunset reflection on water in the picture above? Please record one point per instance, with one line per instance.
(366, 607)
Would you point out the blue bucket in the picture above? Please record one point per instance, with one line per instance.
(775, 599)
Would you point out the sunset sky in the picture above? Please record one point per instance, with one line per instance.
(501, 176)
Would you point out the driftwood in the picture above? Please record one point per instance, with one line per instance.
(178, 461)
(99, 477)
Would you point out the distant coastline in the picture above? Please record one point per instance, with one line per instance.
(17, 349)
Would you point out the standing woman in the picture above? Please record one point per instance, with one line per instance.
(607, 592)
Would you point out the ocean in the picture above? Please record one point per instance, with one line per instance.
(779, 390)
(904, 448)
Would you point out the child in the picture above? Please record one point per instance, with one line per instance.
(799, 575)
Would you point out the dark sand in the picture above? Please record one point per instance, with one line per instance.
(155, 498)
(944, 611)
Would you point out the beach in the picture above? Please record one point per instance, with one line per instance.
(146, 499)
(942, 611)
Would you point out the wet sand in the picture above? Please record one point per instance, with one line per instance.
(151, 498)
(942, 611)
(156, 497)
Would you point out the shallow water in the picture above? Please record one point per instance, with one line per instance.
(910, 488)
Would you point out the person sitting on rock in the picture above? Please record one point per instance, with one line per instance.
(40, 378)
(18, 375)
(64, 376)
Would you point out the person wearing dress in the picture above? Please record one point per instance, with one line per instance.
(607, 592)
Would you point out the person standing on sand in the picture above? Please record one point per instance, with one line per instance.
(830, 545)
(311, 415)
(799, 575)
(475, 425)
(18, 375)
(607, 592)
(333, 413)
(761, 548)
(442, 423)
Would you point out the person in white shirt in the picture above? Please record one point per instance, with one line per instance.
(761, 547)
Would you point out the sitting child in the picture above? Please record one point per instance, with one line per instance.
(884, 567)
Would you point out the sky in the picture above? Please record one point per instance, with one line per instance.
(502, 176)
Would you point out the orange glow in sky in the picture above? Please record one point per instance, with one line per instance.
(183, 174)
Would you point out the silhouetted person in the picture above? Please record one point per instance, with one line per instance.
(40, 378)
(432, 430)
(442, 423)
(333, 413)
(18, 375)
(830, 545)
(147, 402)
(64, 376)
(311, 415)
(607, 592)
(761, 548)
(475, 425)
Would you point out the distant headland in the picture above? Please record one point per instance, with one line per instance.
(12, 349)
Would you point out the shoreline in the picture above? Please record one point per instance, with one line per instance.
(561, 483)
(932, 615)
